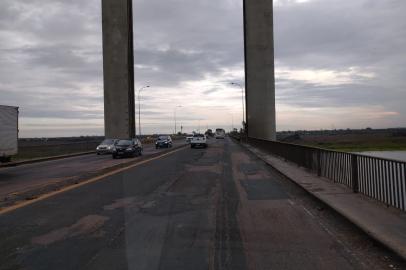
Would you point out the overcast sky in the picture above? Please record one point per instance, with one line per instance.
(339, 64)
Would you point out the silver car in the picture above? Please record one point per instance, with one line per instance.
(106, 146)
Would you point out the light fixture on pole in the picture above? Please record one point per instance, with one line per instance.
(139, 108)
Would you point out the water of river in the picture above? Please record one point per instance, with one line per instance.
(398, 155)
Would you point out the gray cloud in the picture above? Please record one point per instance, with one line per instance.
(337, 35)
(51, 58)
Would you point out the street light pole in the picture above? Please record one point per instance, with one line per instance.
(242, 99)
(139, 108)
(179, 106)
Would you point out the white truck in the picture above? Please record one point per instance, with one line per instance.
(220, 133)
(8, 132)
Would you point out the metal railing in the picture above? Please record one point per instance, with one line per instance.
(379, 178)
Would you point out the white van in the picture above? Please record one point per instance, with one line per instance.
(198, 140)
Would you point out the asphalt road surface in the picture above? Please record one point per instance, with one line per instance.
(214, 208)
(33, 176)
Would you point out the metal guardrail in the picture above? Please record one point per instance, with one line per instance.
(378, 178)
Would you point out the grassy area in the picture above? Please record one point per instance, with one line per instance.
(355, 142)
(31, 152)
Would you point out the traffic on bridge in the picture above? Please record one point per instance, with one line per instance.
(219, 207)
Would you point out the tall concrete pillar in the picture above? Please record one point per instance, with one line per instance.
(118, 65)
(259, 69)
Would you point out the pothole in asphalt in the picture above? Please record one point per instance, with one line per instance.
(249, 168)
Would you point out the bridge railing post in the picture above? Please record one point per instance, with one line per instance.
(354, 168)
(318, 162)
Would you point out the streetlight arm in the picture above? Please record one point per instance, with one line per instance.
(234, 83)
(142, 88)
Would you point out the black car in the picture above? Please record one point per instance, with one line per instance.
(164, 141)
(127, 148)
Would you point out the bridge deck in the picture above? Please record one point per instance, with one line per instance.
(214, 208)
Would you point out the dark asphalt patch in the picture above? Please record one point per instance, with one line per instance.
(249, 168)
(229, 249)
(6, 177)
(263, 189)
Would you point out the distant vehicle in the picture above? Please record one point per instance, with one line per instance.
(8, 132)
(189, 139)
(198, 140)
(163, 141)
(106, 146)
(209, 132)
(127, 148)
(220, 133)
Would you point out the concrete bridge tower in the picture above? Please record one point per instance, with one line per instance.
(259, 69)
(118, 69)
(118, 63)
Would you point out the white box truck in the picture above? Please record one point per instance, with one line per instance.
(8, 132)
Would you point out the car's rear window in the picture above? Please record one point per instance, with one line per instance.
(124, 142)
(198, 135)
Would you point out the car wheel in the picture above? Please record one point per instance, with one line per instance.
(114, 156)
(98, 154)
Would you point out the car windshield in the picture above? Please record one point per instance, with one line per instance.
(124, 142)
(162, 138)
(108, 141)
(198, 135)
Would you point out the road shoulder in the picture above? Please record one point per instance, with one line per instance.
(384, 224)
